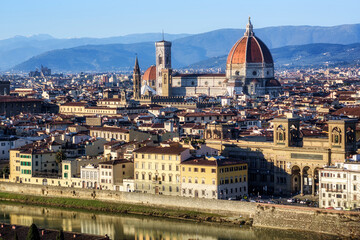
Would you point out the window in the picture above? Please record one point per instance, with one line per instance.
(184, 179)
(354, 177)
(203, 181)
(65, 175)
(213, 170)
(66, 167)
(196, 180)
(203, 170)
(189, 180)
(354, 187)
(196, 169)
(163, 167)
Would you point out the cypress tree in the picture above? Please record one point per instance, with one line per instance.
(16, 236)
(60, 236)
(33, 233)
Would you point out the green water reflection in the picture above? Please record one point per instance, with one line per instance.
(137, 227)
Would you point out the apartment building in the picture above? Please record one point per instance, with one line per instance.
(157, 168)
(339, 186)
(214, 178)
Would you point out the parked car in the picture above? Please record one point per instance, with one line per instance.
(291, 200)
(329, 208)
(338, 208)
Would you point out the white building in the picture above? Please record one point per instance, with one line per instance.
(90, 176)
(339, 186)
(10, 142)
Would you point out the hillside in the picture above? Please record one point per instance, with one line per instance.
(308, 55)
(192, 49)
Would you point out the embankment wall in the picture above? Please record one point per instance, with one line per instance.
(343, 223)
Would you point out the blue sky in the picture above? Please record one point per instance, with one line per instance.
(104, 18)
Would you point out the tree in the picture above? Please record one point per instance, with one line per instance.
(6, 171)
(60, 236)
(60, 156)
(33, 233)
(16, 236)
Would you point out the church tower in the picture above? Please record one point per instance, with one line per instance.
(166, 82)
(137, 80)
(163, 61)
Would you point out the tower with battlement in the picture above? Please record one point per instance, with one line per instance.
(163, 61)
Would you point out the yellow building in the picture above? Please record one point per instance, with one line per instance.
(26, 163)
(214, 177)
(157, 168)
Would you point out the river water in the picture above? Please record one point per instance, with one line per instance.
(137, 227)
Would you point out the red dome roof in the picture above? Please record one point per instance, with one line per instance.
(150, 74)
(249, 49)
(272, 83)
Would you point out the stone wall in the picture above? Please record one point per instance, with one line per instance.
(343, 223)
(232, 208)
(264, 215)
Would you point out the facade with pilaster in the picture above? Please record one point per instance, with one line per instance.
(290, 163)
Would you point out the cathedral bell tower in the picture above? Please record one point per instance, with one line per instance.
(163, 61)
(137, 80)
(166, 82)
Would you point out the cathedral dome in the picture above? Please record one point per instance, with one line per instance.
(272, 83)
(249, 49)
(150, 74)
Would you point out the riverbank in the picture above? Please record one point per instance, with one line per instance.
(340, 223)
(122, 208)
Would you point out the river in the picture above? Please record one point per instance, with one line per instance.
(137, 227)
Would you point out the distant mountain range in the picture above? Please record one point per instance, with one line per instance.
(309, 55)
(19, 48)
(117, 53)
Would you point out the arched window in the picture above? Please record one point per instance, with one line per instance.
(336, 135)
(160, 59)
(280, 133)
(350, 135)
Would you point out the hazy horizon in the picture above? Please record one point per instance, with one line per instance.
(101, 19)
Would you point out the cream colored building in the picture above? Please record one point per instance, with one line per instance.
(110, 133)
(157, 168)
(112, 173)
(340, 186)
